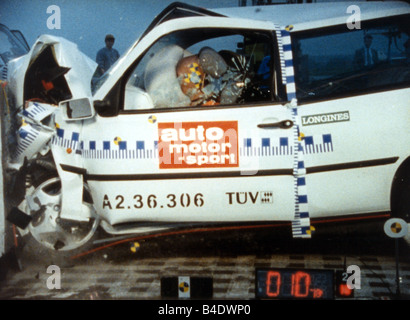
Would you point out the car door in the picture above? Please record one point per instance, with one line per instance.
(173, 162)
(354, 118)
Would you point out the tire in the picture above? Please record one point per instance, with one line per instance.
(51, 239)
(402, 209)
(403, 206)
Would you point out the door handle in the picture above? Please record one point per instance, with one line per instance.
(285, 124)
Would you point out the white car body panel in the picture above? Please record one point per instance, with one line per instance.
(343, 163)
(363, 189)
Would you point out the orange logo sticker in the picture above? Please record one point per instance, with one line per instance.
(198, 144)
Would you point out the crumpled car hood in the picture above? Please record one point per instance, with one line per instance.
(53, 63)
(54, 70)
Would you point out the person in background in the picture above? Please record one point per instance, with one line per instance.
(107, 56)
(367, 56)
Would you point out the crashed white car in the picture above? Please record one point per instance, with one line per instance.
(211, 118)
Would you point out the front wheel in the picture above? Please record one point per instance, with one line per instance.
(55, 235)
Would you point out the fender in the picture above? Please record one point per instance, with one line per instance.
(72, 186)
(65, 150)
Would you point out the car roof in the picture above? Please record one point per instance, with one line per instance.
(316, 15)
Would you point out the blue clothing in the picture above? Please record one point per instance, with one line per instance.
(264, 68)
(106, 58)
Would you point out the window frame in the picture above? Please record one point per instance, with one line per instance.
(116, 95)
(342, 28)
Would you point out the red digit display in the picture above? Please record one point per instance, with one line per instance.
(273, 281)
(294, 284)
(300, 284)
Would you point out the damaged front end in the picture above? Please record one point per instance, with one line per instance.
(49, 89)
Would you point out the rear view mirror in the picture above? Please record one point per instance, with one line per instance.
(77, 109)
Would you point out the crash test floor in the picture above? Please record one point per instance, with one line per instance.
(119, 273)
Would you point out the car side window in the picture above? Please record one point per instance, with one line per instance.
(375, 57)
(10, 47)
(202, 67)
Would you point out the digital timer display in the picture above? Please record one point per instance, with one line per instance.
(294, 284)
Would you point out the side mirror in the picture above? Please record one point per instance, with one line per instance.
(77, 109)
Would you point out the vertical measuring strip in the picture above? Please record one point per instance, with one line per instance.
(301, 227)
